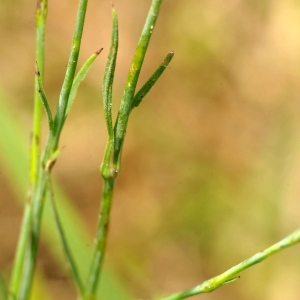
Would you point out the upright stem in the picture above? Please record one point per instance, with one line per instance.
(69, 77)
(42, 167)
(99, 251)
(132, 79)
(111, 162)
(41, 17)
(35, 218)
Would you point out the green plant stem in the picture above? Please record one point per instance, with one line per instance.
(41, 17)
(107, 166)
(69, 77)
(33, 241)
(67, 251)
(49, 159)
(131, 82)
(99, 250)
(230, 275)
(3, 290)
(20, 252)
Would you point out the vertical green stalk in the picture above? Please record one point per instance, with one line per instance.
(69, 77)
(41, 17)
(111, 161)
(49, 157)
(33, 241)
(99, 251)
(131, 82)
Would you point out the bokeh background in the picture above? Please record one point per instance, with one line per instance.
(211, 161)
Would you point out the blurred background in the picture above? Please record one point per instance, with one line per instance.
(211, 162)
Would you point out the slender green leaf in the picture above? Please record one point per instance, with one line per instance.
(151, 81)
(79, 78)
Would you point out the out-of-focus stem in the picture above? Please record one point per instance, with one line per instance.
(230, 275)
(41, 16)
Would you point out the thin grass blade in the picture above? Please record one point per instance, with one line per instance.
(79, 78)
(151, 81)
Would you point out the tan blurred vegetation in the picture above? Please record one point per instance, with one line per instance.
(210, 170)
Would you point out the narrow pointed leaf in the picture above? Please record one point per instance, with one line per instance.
(109, 75)
(151, 81)
(43, 97)
(79, 78)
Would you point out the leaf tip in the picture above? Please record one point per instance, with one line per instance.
(112, 5)
(99, 51)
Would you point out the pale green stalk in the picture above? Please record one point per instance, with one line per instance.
(41, 17)
(60, 116)
(67, 251)
(3, 291)
(111, 161)
(132, 79)
(49, 158)
(99, 251)
(230, 275)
